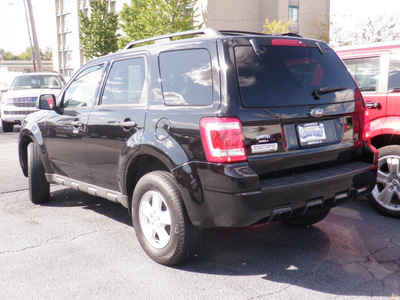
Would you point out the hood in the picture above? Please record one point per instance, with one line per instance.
(30, 93)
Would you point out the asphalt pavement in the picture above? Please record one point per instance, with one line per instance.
(81, 247)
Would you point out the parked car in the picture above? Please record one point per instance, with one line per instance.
(20, 99)
(376, 69)
(221, 129)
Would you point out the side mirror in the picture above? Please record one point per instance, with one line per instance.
(4, 90)
(47, 101)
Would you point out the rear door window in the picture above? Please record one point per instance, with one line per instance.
(284, 75)
(186, 77)
(365, 71)
(125, 82)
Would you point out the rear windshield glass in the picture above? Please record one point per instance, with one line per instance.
(282, 76)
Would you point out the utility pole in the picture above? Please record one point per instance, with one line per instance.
(35, 42)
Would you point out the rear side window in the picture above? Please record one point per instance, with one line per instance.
(365, 72)
(186, 77)
(284, 75)
(125, 82)
(394, 72)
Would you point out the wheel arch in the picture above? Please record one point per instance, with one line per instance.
(23, 153)
(140, 165)
(382, 140)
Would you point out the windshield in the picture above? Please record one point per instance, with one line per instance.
(36, 82)
(284, 76)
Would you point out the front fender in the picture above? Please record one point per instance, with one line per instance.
(32, 132)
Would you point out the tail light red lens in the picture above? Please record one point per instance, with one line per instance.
(367, 126)
(223, 140)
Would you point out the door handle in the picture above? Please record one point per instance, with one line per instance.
(128, 124)
(76, 124)
(373, 105)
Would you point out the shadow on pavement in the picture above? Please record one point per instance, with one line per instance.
(354, 251)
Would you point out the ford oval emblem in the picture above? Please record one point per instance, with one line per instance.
(316, 112)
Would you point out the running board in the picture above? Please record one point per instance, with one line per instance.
(89, 188)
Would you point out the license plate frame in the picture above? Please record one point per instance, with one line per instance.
(311, 133)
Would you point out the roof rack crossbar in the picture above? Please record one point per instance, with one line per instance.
(203, 31)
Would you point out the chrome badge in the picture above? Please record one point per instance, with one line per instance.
(316, 112)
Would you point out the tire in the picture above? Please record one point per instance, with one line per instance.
(7, 127)
(308, 220)
(39, 188)
(385, 197)
(161, 222)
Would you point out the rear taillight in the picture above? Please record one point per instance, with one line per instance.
(366, 134)
(223, 140)
(362, 127)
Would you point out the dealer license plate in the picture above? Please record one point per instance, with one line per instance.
(311, 133)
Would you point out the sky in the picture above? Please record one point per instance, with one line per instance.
(13, 26)
(14, 34)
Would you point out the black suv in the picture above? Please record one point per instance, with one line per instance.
(222, 129)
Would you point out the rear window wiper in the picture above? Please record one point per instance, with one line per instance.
(317, 93)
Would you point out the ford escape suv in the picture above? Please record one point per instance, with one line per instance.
(376, 69)
(220, 129)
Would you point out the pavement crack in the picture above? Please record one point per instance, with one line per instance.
(12, 192)
(52, 241)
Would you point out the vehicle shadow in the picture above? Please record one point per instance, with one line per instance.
(354, 251)
(67, 197)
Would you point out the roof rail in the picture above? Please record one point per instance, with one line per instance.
(203, 31)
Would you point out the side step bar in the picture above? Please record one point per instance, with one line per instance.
(89, 188)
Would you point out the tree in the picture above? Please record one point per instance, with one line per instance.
(8, 55)
(276, 27)
(98, 33)
(147, 18)
(48, 55)
(319, 28)
(26, 55)
(372, 29)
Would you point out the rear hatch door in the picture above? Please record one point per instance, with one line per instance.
(299, 105)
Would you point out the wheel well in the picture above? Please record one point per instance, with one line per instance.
(23, 153)
(139, 167)
(385, 140)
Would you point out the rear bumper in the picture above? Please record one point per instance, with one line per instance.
(233, 196)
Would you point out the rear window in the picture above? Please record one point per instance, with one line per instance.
(282, 76)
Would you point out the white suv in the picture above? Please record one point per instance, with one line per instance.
(20, 100)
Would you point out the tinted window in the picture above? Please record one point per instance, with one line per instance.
(125, 82)
(365, 72)
(394, 72)
(282, 76)
(186, 77)
(82, 91)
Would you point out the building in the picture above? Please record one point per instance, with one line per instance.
(310, 18)
(67, 55)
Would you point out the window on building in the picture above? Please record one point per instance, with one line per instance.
(365, 72)
(82, 91)
(125, 82)
(294, 14)
(186, 77)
